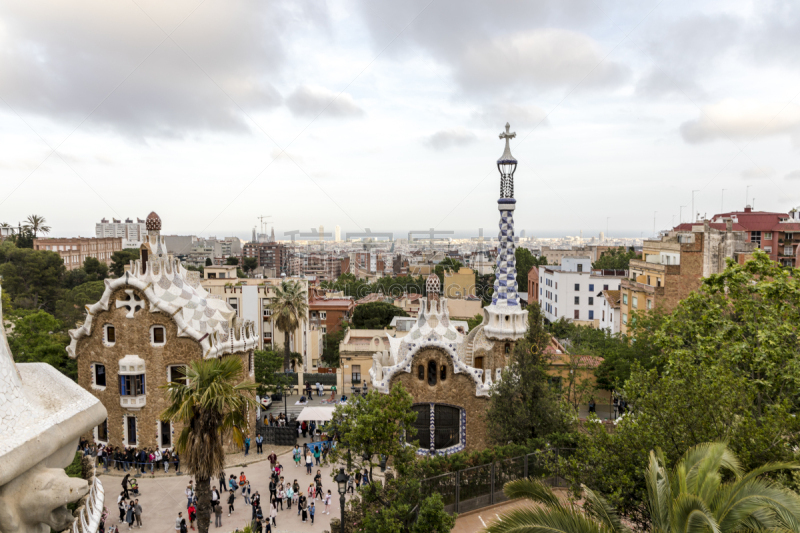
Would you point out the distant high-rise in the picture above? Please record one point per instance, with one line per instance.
(522, 234)
(602, 236)
(321, 232)
(338, 234)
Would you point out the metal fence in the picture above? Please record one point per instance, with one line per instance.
(482, 486)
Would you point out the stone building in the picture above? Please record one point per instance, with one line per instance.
(147, 327)
(450, 374)
(74, 251)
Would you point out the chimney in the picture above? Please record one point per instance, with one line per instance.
(748, 209)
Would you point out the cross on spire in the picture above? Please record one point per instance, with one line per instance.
(507, 135)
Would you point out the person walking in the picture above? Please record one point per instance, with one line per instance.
(137, 513)
(289, 493)
(192, 510)
(247, 446)
(309, 463)
(246, 492)
(257, 526)
(222, 482)
(272, 458)
(273, 512)
(189, 495)
(317, 454)
(122, 508)
(273, 488)
(358, 479)
(259, 444)
(231, 498)
(281, 495)
(311, 511)
(180, 524)
(328, 503)
(255, 503)
(301, 507)
(129, 515)
(217, 508)
(296, 455)
(125, 486)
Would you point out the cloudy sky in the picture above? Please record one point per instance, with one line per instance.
(386, 115)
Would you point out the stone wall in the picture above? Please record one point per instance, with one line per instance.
(457, 390)
(133, 338)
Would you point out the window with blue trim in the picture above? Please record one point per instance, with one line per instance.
(591, 315)
(591, 287)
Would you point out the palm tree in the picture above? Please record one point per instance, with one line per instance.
(35, 223)
(288, 308)
(691, 498)
(210, 405)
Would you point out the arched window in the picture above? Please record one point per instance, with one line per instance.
(443, 372)
(446, 422)
(431, 372)
(421, 372)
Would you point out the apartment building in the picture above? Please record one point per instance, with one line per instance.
(572, 290)
(554, 256)
(132, 233)
(673, 266)
(609, 311)
(270, 255)
(250, 299)
(778, 234)
(331, 310)
(74, 251)
(459, 284)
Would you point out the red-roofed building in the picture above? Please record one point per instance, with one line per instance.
(778, 234)
(330, 311)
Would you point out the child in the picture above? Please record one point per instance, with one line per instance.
(311, 511)
(328, 503)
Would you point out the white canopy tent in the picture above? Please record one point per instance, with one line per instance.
(316, 413)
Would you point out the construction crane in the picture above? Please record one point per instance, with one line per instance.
(263, 224)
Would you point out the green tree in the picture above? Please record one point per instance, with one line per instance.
(269, 374)
(232, 261)
(200, 269)
(379, 425)
(375, 315)
(523, 405)
(95, 270)
(616, 259)
(121, 258)
(209, 262)
(71, 307)
(689, 498)
(289, 308)
(36, 225)
(32, 278)
(525, 261)
(330, 352)
(211, 406)
(37, 337)
(23, 239)
(249, 264)
(475, 321)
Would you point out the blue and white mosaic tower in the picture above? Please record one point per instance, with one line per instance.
(505, 319)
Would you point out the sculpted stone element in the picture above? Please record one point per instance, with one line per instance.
(42, 416)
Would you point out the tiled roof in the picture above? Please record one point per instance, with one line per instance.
(612, 297)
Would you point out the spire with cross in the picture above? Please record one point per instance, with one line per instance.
(507, 165)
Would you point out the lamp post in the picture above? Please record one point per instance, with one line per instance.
(341, 480)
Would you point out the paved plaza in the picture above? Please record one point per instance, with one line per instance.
(162, 497)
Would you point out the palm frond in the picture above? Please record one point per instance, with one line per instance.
(600, 509)
(689, 514)
(547, 520)
(659, 493)
(531, 489)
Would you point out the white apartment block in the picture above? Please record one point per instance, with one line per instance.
(573, 290)
(132, 233)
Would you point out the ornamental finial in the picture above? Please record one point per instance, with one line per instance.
(507, 165)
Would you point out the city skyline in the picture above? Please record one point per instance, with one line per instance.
(369, 116)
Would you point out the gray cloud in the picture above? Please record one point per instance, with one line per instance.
(793, 175)
(684, 50)
(743, 120)
(542, 59)
(62, 60)
(503, 45)
(496, 115)
(310, 101)
(444, 139)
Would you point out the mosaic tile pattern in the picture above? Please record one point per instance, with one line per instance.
(505, 283)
